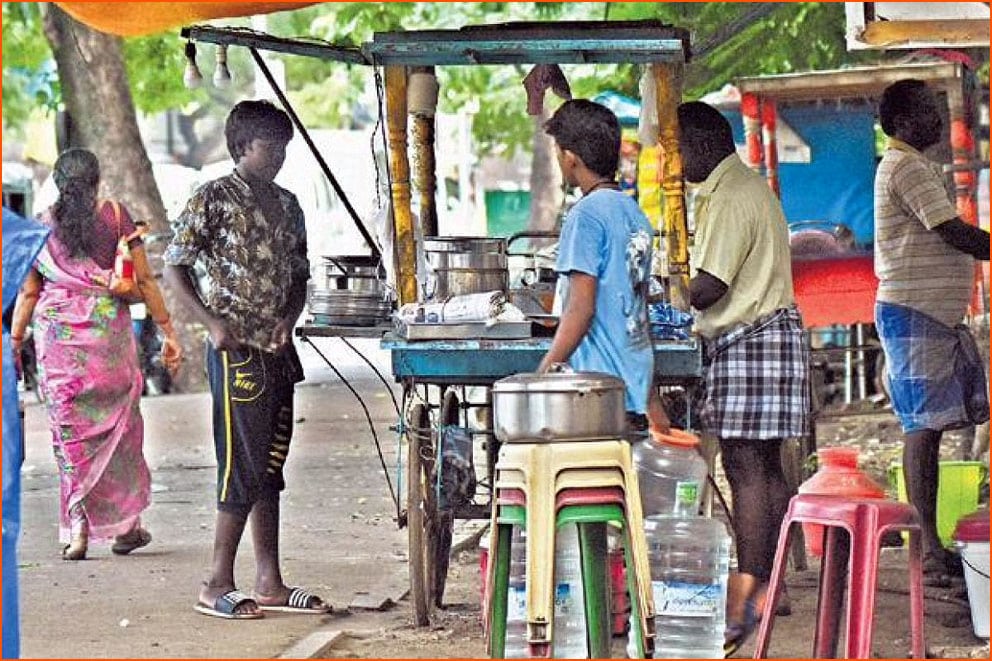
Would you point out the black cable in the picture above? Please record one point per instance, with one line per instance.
(368, 362)
(368, 416)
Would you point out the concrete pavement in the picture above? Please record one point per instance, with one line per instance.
(338, 534)
(338, 539)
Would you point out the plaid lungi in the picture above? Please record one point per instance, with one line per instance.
(935, 374)
(758, 380)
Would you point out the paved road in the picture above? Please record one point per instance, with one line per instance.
(338, 537)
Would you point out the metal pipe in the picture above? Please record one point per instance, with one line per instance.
(264, 68)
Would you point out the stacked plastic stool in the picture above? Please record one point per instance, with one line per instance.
(543, 487)
(855, 556)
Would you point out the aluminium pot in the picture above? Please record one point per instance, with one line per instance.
(558, 406)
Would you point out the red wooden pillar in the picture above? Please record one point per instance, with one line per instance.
(751, 113)
(965, 186)
(769, 115)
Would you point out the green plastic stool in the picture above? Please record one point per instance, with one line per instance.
(591, 521)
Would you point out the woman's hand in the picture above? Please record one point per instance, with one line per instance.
(172, 351)
(172, 354)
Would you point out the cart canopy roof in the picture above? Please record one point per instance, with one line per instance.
(854, 82)
(576, 42)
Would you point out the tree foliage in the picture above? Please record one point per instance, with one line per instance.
(729, 39)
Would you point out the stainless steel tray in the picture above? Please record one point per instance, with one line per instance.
(507, 330)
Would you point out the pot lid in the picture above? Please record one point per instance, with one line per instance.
(560, 381)
(973, 528)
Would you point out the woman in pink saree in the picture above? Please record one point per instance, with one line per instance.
(88, 364)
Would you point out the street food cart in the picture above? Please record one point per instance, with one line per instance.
(437, 372)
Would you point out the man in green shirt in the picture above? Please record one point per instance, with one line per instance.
(757, 378)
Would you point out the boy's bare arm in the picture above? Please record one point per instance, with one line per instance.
(575, 319)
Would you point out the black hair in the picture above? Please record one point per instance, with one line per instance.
(899, 100)
(702, 127)
(251, 120)
(77, 177)
(590, 131)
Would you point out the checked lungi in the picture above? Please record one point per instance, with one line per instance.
(758, 380)
(935, 374)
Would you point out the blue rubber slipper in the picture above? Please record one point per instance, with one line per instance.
(738, 633)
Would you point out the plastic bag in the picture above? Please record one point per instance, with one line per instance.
(457, 469)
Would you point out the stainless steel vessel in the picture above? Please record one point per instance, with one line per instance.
(465, 265)
(558, 406)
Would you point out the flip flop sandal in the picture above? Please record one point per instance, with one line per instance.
(124, 544)
(226, 607)
(737, 634)
(299, 600)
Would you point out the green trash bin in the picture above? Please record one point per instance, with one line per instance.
(507, 211)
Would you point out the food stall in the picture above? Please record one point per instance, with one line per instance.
(827, 192)
(438, 364)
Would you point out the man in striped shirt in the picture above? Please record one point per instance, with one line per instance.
(924, 260)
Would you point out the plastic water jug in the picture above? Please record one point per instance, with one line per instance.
(671, 473)
(570, 616)
(690, 559)
(837, 475)
(515, 646)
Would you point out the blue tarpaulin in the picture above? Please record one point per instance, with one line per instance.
(22, 239)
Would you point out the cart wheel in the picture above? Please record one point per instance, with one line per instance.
(445, 520)
(419, 506)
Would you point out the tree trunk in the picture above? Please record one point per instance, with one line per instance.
(545, 179)
(97, 97)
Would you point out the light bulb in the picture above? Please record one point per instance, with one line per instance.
(222, 75)
(192, 78)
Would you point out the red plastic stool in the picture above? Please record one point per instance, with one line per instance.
(865, 521)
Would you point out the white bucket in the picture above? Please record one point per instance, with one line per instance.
(976, 576)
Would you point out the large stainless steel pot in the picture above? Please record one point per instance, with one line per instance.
(465, 265)
(558, 406)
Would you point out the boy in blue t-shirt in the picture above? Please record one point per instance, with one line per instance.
(604, 264)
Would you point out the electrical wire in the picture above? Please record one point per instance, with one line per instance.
(368, 417)
(382, 378)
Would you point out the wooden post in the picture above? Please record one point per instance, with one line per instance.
(424, 161)
(668, 80)
(399, 170)
(769, 122)
(965, 181)
(751, 114)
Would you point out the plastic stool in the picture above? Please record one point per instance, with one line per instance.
(541, 470)
(591, 520)
(866, 521)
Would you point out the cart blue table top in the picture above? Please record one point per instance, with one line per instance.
(484, 361)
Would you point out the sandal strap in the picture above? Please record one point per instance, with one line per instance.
(229, 601)
(300, 598)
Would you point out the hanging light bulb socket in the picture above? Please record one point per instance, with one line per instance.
(222, 74)
(192, 78)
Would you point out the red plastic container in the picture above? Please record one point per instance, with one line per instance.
(837, 475)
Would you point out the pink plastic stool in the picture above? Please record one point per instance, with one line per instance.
(865, 521)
